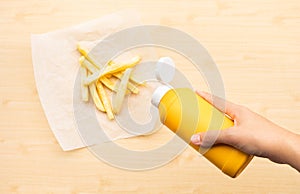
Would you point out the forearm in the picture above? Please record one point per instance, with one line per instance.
(293, 150)
(279, 145)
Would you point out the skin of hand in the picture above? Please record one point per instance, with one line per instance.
(252, 134)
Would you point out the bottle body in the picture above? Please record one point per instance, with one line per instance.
(186, 113)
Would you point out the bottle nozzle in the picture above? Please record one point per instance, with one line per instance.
(158, 94)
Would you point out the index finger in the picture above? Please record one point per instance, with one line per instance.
(221, 104)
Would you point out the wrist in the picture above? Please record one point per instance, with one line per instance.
(292, 150)
(278, 147)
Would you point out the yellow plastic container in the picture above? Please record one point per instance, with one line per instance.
(186, 113)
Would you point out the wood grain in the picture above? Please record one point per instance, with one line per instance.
(256, 44)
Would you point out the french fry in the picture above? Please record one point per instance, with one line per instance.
(114, 68)
(118, 100)
(108, 76)
(95, 78)
(109, 84)
(85, 53)
(84, 88)
(84, 62)
(130, 86)
(95, 97)
(132, 78)
(137, 82)
(105, 100)
(111, 69)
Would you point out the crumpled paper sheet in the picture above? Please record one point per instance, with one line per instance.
(55, 62)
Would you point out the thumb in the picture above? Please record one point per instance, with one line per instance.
(209, 138)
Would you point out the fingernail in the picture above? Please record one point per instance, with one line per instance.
(195, 139)
(198, 91)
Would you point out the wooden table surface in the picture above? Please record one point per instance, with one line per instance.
(256, 44)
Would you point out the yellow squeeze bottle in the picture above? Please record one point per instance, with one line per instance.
(186, 113)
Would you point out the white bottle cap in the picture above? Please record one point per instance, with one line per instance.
(165, 69)
(158, 94)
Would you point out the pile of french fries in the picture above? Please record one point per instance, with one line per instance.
(96, 78)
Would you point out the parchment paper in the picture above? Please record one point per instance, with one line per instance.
(55, 63)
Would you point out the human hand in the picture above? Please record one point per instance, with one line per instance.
(252, 134)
